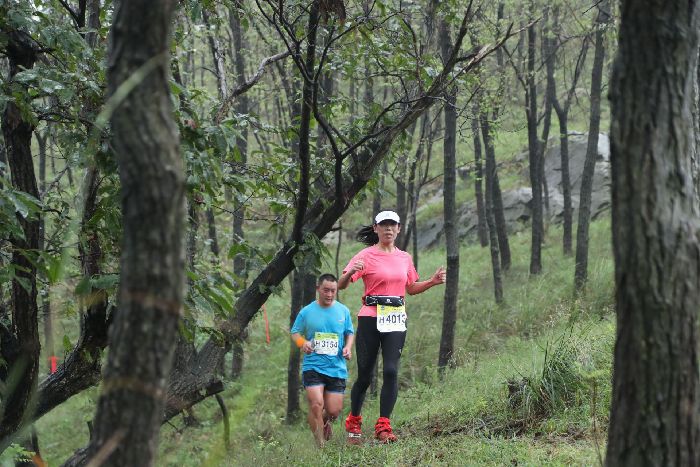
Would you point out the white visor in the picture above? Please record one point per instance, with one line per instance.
(387, 216)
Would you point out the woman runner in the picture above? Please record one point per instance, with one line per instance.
(388, 274)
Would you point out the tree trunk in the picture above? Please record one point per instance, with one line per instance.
(300, 279)
(534, 156)
(565, 181)
(307, 98)
(496, 199)
(491, 179)
(303, 293)
(550, 91)
(655, 416)
(239, 45)
(20, 345)
(130, 408)
(584, 208)
(482, 228)
(449, 314)
(563, 117)
(46, 295)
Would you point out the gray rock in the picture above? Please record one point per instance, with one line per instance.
(517, 202)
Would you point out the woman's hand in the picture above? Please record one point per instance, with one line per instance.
(440, 276)
(358, 265)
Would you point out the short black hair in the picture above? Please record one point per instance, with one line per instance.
(325, 277)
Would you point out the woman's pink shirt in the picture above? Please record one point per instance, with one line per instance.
(384, 274)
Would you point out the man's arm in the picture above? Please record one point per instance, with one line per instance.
(347, 350)
(302, 343)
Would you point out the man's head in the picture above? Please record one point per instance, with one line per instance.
(327, 288)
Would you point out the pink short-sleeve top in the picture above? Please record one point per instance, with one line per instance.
(384, 274)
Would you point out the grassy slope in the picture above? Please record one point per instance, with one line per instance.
(462, 420)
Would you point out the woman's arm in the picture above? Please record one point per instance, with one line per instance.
(344, 279)
(439, 277)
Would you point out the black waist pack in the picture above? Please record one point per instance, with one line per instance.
(389, 300)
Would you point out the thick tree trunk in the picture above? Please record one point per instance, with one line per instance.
(449, 314)
(303, 293)
(20, 345)
(655, 416)
(584, 208)
(130, 408)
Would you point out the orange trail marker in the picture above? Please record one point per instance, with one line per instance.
(53, 360)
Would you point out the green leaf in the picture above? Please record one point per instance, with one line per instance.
(105, 281)
(83, 287)
(67, 345)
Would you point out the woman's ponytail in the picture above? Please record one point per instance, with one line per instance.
(367, 235)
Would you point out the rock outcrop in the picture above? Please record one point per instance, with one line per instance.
(517, 202)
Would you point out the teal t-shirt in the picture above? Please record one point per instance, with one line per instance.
(327, 328)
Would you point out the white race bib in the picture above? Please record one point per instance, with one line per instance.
(326, 343)
(391, 318)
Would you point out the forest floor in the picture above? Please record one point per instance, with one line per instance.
(530, 383)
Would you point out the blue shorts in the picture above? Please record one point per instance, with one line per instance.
(314, 378)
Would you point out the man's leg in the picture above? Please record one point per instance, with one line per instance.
(333, 403)
(314, 394)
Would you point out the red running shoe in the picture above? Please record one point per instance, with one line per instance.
(383, 431)
(353, 425)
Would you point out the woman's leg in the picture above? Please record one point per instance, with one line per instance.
(392, 345)
(366, 350)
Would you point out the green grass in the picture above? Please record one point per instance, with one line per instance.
(464, 420)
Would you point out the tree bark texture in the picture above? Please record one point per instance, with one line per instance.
(449, 314)
(144, 332)
(655, 417)
(491, 179)
(20, 345)
(584, 208)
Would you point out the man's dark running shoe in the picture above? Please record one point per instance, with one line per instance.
(353, 425)
(383, 431)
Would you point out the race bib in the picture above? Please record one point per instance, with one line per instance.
(326, 343)
(391, 318)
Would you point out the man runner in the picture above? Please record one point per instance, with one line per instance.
(323, 331)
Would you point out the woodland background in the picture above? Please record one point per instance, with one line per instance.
(174, 175)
